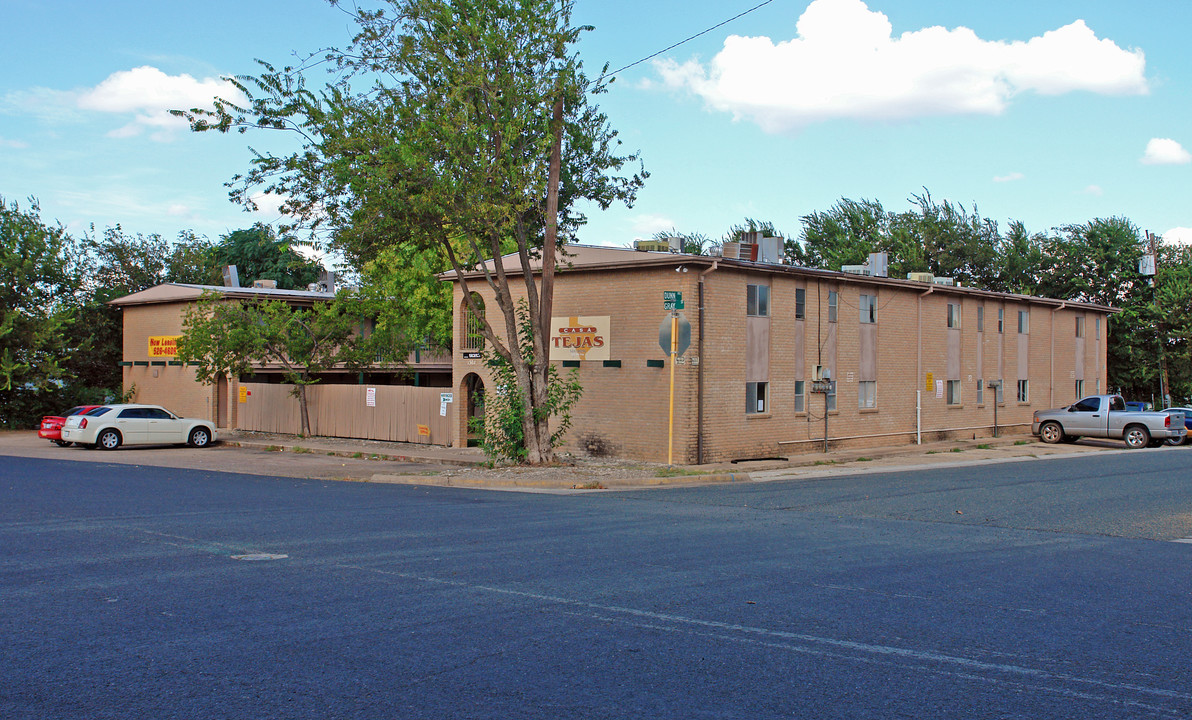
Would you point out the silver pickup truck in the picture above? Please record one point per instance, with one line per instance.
(1106, 416)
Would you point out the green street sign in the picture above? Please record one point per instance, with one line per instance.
(672, 300)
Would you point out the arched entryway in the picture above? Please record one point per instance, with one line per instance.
(473, 391)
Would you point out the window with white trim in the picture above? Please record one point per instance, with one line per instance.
(800, 303)
(953, 392)
(868, 305)
(1024, 391)
(867, 394)
(954, 315)
(833, 301)
(755, 397)
(757, 300)
(800, 396)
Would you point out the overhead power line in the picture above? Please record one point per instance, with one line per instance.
(687, 40)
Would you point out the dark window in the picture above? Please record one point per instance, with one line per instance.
(135, 413)
(755, 397)
(800, 303)
(833, 301)
(757, 300)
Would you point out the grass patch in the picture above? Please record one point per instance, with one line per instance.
(593, 485)
(677, 472)
(357, 455)
(825, 462)
(984, 446)
(933, 452)
(1022, 442)
(301, 450)
(864, 459)
(956, 450)
(274, 448)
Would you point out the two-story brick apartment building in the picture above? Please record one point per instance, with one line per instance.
(902, 359)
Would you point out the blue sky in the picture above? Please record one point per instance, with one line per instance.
(1049, 113)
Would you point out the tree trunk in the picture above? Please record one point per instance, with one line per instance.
(304, 410)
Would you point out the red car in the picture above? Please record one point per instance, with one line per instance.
(51, 425)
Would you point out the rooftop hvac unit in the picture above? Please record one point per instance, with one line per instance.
(674, 244)
(944, 281)
(879, 264)
(739, 251)
(920, 277)
(770, 250)
(651, 245)
(230, 276)
(265, 284)
(855, 269)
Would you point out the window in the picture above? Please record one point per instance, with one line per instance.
(954, 315)
(953, 392)
(1098, 391)
(1097, 327)
(831, 397)
(755, 397)
(980, 382)
(757, 302)
(980, 319)
(1080, 388)
(1024, 322)
(867, 394)
(868, 306)
(800, 303)
(1088, 405)
(833, 301)
(1079, 327)
(1024, 391)
(1001, 320)
(473, 325)
(1000, 395)
(800, 396)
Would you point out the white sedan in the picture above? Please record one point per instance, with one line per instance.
(110, 426)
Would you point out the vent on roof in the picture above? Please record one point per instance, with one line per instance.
(920, 277)
(855, 269)
(265, 284)
(651, 245)
(230, 277)
(944, 281)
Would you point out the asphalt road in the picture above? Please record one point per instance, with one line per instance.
(1033, 590)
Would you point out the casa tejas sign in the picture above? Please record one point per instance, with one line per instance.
(579, 338)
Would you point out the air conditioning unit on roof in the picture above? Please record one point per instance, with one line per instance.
(944, 281)
(855, 269)
(920, 277)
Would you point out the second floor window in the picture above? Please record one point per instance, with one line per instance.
(800, 303)
(833, 301)
(868, 305)
(954, 315)
(757, 300)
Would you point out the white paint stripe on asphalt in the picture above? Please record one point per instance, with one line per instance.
(922, 656)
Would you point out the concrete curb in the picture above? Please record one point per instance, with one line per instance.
(564, 483)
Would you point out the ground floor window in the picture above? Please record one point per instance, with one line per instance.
(980, 390)
(1079, 389)
(800, 396)
(953, 392)
(832, 397)
(867, 394)
(755, 397)
(1024, 391)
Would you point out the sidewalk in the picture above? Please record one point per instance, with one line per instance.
(468, 467)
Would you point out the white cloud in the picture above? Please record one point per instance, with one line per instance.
(1165, 151)
(1178, 236)
(648, 224)
(149, 94)
(845, 62)
(15, 144)
(1094, 190)
(1008, 178)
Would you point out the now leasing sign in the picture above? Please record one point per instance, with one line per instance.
(580, 338)
(163, 345)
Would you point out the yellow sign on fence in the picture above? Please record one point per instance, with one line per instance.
(930, 382)
(243, 394)
(424, 430)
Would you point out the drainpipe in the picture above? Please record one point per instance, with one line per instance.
(919, 366)
(699, 395)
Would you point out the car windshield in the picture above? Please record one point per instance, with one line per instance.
(98, 411)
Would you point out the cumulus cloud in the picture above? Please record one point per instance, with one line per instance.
(1178, 236)
(1165, 151)
(1008, 178)
(845, 62)
(648, 224)
(149, 94)
(1094, 190)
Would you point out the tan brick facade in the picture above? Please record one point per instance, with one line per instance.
(624, 411)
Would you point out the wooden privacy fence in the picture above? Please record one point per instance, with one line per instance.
(344, 411)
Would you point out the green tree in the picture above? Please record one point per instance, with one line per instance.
(259, 254)
(231, 337)
(692, 243)
(478, 134)
(40, 278)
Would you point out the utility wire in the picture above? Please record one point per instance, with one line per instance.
(687, 40)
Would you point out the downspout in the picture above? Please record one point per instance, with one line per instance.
(919, 365)
(1051, 378)
(699, 393)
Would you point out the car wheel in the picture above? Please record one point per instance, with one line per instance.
(1136, 437)
(1177, 441)
(108, 439)
(200, 437)
(1051, 433)
(62, 443)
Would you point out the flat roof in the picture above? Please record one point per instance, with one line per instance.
(590, 258)
(186, 292)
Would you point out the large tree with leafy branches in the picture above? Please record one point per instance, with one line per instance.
(465, 128)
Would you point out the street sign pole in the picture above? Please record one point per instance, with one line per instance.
(674, 353)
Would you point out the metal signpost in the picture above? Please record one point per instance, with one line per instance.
(674, 337)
